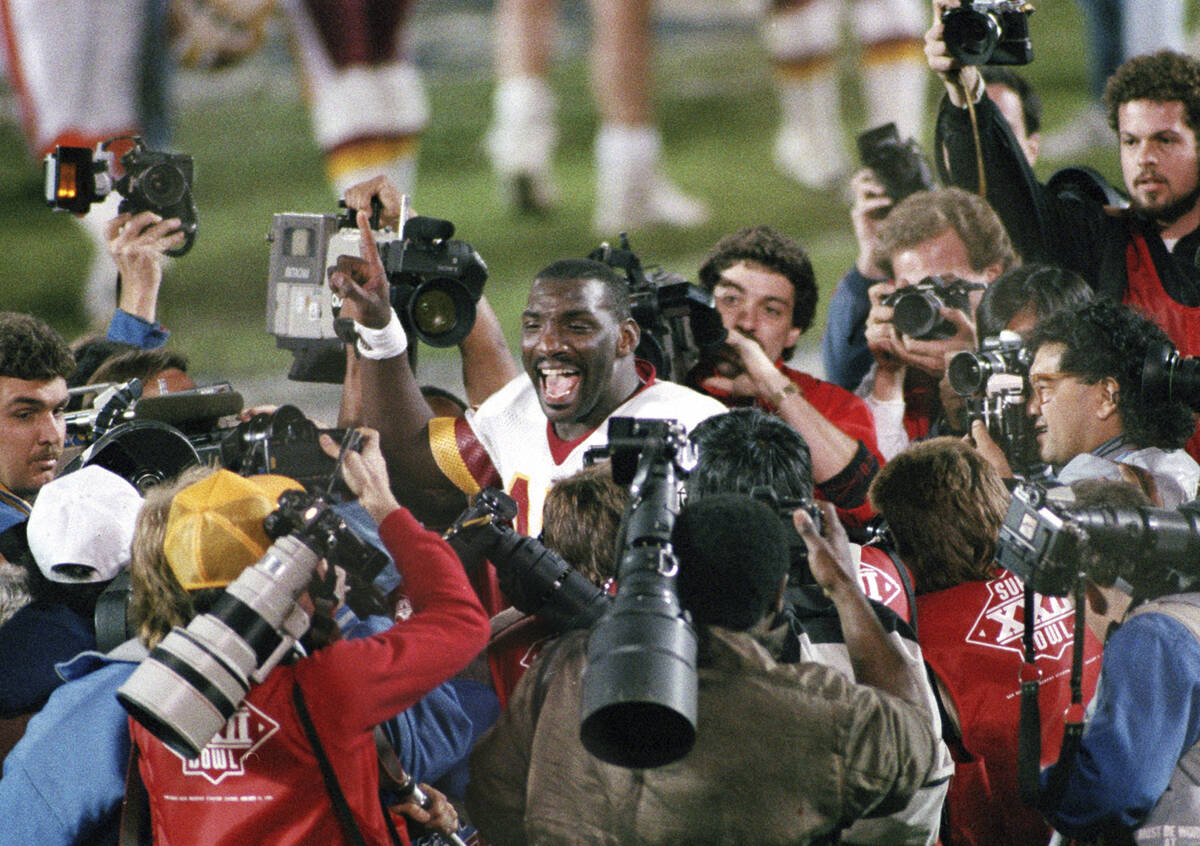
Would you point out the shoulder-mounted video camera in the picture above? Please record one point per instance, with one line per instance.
(535, 579)
(917, 308)
(1051, 544)
(679, 320)
(900, 166)
(153, 181)
(435, 282)
(989, 32)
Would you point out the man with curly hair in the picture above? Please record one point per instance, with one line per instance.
(1090, 413)
(1143, 254)
(766, 292)
(34, 365)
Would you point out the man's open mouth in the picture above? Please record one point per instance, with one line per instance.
(559, 383)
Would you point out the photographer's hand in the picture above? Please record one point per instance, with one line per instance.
(756, 376)
(959, 79)
(362, 283)
(366, 474)
(137, 244)
(875, 659)
(870, 206)
(358, 197)
(829, 558)
(981, 440)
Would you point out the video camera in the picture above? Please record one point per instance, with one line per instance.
(900, 166)
(1051, 544)
(995, 383)
(435, 282)
(195, 679)
(147, 440)
(151, 181)
(917, 308)
(679, 320)
(535, 579)
(640, 690)
(989, 33)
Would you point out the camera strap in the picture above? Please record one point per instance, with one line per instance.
(340, 806)
(1029, 748)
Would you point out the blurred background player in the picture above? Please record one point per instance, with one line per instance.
(367, 100)
(806, 40)
(631, 188)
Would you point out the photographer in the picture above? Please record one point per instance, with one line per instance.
(748, 450)
(1134, 776)
(1088, 408)
(214, 530)
(944, 506)
(945, 233)
(764, 288)
(1143, 255)
(533, 782)
(844, 349)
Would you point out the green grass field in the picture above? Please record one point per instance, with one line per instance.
(255, 157)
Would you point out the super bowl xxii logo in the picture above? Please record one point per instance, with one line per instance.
(226, 753)
(1001, 623)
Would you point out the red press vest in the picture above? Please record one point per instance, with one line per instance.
(1144, 291)
(971, 637)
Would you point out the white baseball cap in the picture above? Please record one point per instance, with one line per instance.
(81, 527)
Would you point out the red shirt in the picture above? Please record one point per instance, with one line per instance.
(258, 781)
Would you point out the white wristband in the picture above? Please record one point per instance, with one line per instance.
(387, 342)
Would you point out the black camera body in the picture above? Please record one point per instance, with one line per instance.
(535, 579)
(989, 32)
(310, 517)
(152, 181)
(1001, 403)
(435, 280)
(917, 308)
(1051, 545)
(899, 165)
(784, 508)
(679, 320)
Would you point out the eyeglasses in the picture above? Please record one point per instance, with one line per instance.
(1045, 384)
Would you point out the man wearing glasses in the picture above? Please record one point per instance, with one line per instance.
(1091, 417)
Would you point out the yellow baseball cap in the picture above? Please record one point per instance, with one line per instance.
(215, 527)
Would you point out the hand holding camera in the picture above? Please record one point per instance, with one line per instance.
(365, 473)
(832, 566)
(362, 283)
(870, 204)
(137, 243)
(743, 370)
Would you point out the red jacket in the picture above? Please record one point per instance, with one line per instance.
(258, 781)
(971, 637)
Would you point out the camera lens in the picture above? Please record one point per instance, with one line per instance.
(441, 311)
(971, 36)
(162, 185)
(917, 314)
(967, 372)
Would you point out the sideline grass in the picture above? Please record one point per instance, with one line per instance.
(254, 157)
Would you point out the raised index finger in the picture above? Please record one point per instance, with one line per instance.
(367, 247)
